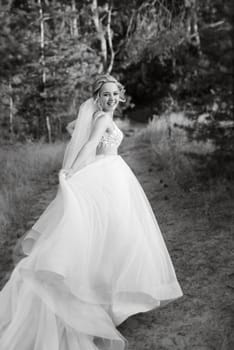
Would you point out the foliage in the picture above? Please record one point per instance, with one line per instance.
(70, 67)
(51, 51)
(193, 154)
(155, 32)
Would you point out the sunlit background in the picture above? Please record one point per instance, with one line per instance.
(175, 59)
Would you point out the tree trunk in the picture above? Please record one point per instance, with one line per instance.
(192, 24)
(74, 19)
(48, 129)
(11, 110)
(100, 32)
(109, 39)
(42, 60)
(42, 43)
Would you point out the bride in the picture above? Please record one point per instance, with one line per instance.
(96, 255)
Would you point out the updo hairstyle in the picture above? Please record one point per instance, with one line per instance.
(107, 78)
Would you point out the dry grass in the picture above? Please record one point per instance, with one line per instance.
(172, 148)
(21, 172)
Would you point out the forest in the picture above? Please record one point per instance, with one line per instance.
(170, 55)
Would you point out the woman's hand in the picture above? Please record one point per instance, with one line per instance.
(67, 173)
(70, 127)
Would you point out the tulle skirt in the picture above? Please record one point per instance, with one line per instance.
(95, 257)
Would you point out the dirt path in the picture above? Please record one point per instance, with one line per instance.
(199, 229)
(199, 239)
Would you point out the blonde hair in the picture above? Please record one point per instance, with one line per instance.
(107, 78)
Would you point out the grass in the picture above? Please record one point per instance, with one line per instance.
(23, 167)
(174, 145)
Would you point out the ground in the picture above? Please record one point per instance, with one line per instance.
(198, 230)
(199, 238)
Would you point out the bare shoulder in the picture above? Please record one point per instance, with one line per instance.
(101, 118)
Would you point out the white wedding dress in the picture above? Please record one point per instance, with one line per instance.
(95, 257)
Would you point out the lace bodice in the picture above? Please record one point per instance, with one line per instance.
(110, 141)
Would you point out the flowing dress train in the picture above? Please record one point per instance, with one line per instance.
(95, 257)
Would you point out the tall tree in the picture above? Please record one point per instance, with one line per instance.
(191, 22)
(75, 31)
(43, 68)
(101, 31)
(109, 38)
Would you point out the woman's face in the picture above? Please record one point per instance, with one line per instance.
(109, 97)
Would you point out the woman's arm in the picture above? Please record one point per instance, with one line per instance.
(90, 146)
